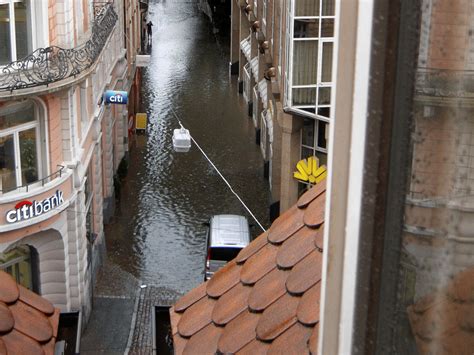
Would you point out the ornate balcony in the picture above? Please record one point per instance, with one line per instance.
(52, 64)
(445, 83)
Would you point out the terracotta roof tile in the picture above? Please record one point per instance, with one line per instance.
(179, 343)
(54, 321)
(308, 309)
(257, 244)
(266, 299)
(231, 304)
(31, 322)
(314, 214)
(223, 280)
(277, 318)
(259, 264)
(255, 347)
(268, 290)
(9, 292)
(175, 317)
(238, 333)
(305, 274)
(443, 322)
(196, 317)
(28, 323)
(18, 343)
(309, 196)
(296, 248)
(204, 341)
(319, 238)
(293, 341)
(313, 340)
(3, 347)
(190, 298)
(285, 225)
(6, 318)
(33, 300)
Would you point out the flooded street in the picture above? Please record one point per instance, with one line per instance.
(157, 233)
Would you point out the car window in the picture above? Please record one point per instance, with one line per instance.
(224, 253)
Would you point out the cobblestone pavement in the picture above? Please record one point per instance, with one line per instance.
(121, 319)
(142, 340)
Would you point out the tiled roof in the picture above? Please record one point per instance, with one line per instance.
(266, 300)
(443, 322)
(28, 322)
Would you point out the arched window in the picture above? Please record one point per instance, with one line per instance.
(21, 147)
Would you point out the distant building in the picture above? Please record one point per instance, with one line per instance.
(282, 53)
(59, 144)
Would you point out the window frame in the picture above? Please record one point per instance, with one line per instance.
(41, 150)
(289, 70)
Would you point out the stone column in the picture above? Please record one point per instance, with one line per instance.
(290, 155)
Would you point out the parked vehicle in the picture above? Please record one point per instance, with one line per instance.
(227, 235)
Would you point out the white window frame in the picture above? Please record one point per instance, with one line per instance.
(37, 25)
(300, 109)
(15, 132)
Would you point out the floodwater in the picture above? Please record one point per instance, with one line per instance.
(157, 233)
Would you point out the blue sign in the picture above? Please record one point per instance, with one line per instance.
(116, 97)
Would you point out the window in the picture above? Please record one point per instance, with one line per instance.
(18, 263)
(21, 146)
(309, 57)
(15, 30)
(314, 143)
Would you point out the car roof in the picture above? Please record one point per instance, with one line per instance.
(229, 230)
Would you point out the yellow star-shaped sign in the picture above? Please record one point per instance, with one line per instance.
(310, 171)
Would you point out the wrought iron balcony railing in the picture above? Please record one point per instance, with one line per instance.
(48, 65)
(445, 83)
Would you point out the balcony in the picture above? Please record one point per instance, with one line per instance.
(49, 68)
(444, 83)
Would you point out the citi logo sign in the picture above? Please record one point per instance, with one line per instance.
(25, 210)
(116, 97)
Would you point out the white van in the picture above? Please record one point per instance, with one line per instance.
(227, 235)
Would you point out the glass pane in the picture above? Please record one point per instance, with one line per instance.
(23, 42)
(306, 7)
(324, 97)
(7, 164)
(16, 114)
(323, 158)
(5, 45)
(306, 28)
(322, 134)
(324, 111)
(305, 56)
(28, 156)
(306, 96)
(307, 137)
(306, 152)
(326, 70)
(327, 28)
(328, 8)
(17, 263)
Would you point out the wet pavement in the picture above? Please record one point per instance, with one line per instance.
(157, 233)
(157, 237)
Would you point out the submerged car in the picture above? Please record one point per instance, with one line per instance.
(226, 237)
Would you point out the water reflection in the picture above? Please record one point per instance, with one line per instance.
(157, 233)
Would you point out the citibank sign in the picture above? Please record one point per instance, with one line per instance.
(26, 209)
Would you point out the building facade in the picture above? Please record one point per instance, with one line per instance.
(282, 53)
(60, 145)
